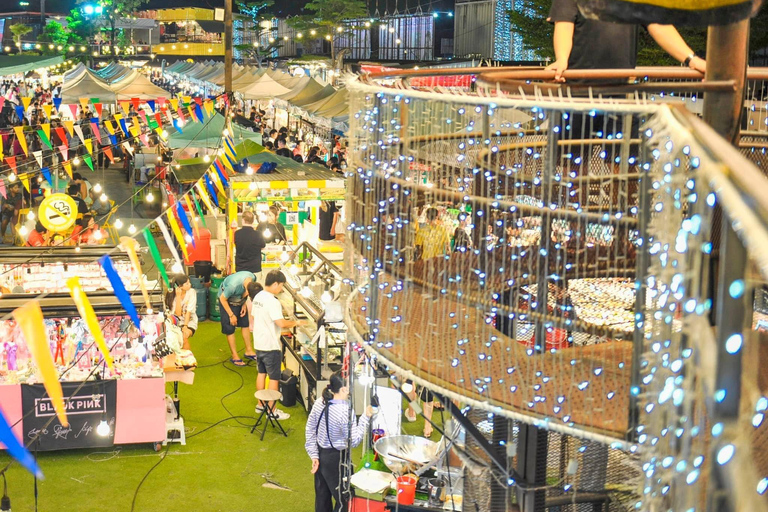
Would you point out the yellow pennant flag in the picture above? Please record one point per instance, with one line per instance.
(68, 168)
(225, 161)
(135, 127)
(89, 145)
(89, 316)
(25, 182)
(126, 106)
(130, 245)
(110, 127)
(217, 181)
(159, 132)
(206, 200)
(208, 107)
(192, 113)
(174, 104)
(84, 103)
(192, 214)
(26, 102)
(46, 127)
(2, 156)
(177, 233)
(47, 109)
(30, 320)
(20, 137)
(70, 127)
(187, 99)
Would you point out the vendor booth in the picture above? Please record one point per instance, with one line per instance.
(129, 401)
(300, 190)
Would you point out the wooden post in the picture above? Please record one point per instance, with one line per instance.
(228, 49)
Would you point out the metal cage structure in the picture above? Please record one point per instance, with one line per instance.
(551, 262)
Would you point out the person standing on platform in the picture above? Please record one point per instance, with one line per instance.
(328, 441)
(232, 300)
(248, 246)
(267, 323)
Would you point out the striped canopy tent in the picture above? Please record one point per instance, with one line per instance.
(139, 86)
(236, 74)
(671, 12)
(263, 88)
(113, 73)
(317, 98)
(326, 103)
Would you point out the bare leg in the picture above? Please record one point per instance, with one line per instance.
(428, 407)
(187, 334)
(273, 385)
(261, 380)
(232, 346)
(248, 343)
(410, 414)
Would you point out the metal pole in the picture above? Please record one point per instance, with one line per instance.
(228, 48)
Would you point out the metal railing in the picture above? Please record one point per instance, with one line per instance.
(603, 288)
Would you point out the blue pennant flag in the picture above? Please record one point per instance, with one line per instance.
(57, 103)
(151, 104)
(211, 189)
(20, 111)
(113, 139)
(120, 292)
(16, 449)
(177, 125)
(221, 175)
(47, 174)
(185, 222)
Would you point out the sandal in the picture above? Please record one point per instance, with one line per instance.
(428, 432)
(412, 418)
(237, 362)
(251, 357)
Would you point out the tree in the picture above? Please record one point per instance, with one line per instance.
(113, 10)
(325, 19)
(19, 31)
(529, 20)
(258, 12)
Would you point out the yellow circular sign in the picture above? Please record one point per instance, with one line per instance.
(58, 212)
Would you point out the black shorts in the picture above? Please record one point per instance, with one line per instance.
(242, 321)
(269, 362)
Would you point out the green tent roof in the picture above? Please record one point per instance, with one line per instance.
(15, 64)
(208, 134)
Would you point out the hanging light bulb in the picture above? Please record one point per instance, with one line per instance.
(188, 239)
(97, 188)
(97, 235)
(177, 167)
(118, 224)
(407, 387)
(267, 233)
(206, 159)
(103, 198)
(31, 215)
(131, 229)
(284, 256)
(149, 197)
(176, 268)
(326, 297)
(23, 231)
(306, 292)
(76, 161)
(165, 204)
(11, 177)
(103, 428)
(294, 270)
(77, 249)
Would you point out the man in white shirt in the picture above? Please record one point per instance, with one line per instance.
(266, 324)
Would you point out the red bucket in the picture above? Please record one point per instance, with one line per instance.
(406, 489)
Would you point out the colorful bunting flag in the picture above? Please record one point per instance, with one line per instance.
(108, 152)
(47, 108)
(79, 132)
(130, 246)
(126, 106)
(45, 139)
(30, 320)
(155, 253)
(64, 150)
(25, 181)
(73, 110)
(169, 241)
(47, 175)
(185, 222)
(70, 127)
(26, 101)
(88, 145)
(68, 168)
(57, 103)
(191, 211)
(38, 157)
(98, 107)
(119, 289)
(206, 200)
(211, 190)
(177, 233)
(89, 316)
(20, 137)
(20, 112)
(11, 160)
(2, 189)
(88, 161)
(84, 103)
(151, 105)
(16, 449)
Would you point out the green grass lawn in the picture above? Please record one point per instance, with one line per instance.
(222, 469)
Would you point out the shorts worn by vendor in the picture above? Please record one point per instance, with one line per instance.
(233, 290)
(265, 311)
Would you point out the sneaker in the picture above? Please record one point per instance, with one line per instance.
(259, 409)
(281, 415)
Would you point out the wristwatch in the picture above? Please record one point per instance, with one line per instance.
(688, 59)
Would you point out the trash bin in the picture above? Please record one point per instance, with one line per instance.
(202, 304)
(203, 270)
(289, 386)
(213, 299)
